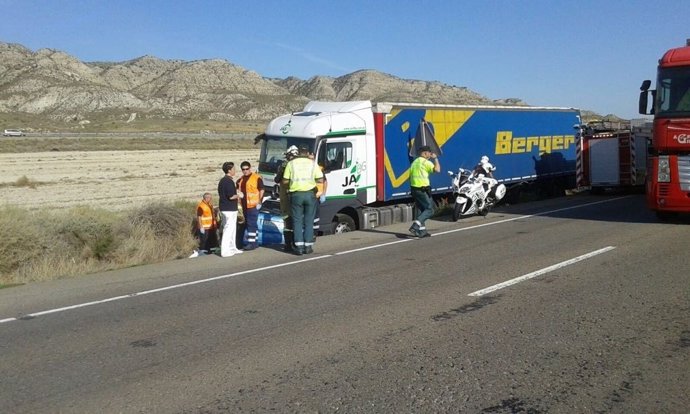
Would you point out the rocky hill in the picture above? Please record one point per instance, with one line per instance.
(52, 85)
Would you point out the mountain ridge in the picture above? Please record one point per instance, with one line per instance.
(67, 92)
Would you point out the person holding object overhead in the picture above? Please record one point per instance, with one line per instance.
(420, 187)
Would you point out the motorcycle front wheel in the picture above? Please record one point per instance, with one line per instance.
(457, 211)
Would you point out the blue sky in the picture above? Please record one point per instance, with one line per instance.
(586, 54)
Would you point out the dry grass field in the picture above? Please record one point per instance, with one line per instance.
(114, 179)
(74, 205)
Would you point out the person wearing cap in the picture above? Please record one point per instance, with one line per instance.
(285, 208)
(301, 175)
(420, 187)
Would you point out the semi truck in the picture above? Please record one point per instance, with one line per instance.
(613, 157)
(365, 150)
(668, 177)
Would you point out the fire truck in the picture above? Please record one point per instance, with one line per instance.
(613, 156)
(668, 172)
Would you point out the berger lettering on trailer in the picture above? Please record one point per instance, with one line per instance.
(507, 144)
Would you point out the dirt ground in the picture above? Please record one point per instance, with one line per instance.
(114, 180)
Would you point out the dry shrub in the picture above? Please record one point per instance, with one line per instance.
(20, 239)
(51, 267)
(87, 232)
(163, 219)
(156, 233)
(143, 245)
(24, 181)
(52, 244)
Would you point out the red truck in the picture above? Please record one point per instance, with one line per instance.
(668, 169)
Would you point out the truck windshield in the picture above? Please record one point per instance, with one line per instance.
(673, 92)
(273, 150)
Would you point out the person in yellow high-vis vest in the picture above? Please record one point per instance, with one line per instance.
(420, 187)
(301, 176)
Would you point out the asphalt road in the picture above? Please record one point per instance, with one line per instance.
(376, 322)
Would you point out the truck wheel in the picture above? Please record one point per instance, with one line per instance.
(457, 209)
(343, 224)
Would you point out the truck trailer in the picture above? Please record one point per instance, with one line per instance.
(668, 177)
(366, 149)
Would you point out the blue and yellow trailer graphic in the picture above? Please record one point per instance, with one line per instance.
(523, 143)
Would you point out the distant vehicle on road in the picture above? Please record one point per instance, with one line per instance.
(13, 133)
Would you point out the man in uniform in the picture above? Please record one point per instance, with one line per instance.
(285, 212)
(301, 176)
(421, 188)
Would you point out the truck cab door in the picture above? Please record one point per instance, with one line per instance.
(336, 156)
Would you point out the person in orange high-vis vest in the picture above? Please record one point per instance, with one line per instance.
(207, 225)
(252, 186)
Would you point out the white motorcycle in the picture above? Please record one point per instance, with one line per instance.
(474, 193)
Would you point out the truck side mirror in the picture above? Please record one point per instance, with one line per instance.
(644, 97)
(642, 105)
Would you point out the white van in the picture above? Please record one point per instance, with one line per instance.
(13, 133)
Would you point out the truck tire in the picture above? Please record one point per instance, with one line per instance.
(343, 224)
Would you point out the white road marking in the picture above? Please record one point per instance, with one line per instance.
(534, 274)
(244, 272)
(148, 292)
(528, 216)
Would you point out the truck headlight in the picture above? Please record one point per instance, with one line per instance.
(664, 171)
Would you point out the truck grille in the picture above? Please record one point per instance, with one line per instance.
(663, 189)
(684, 172)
